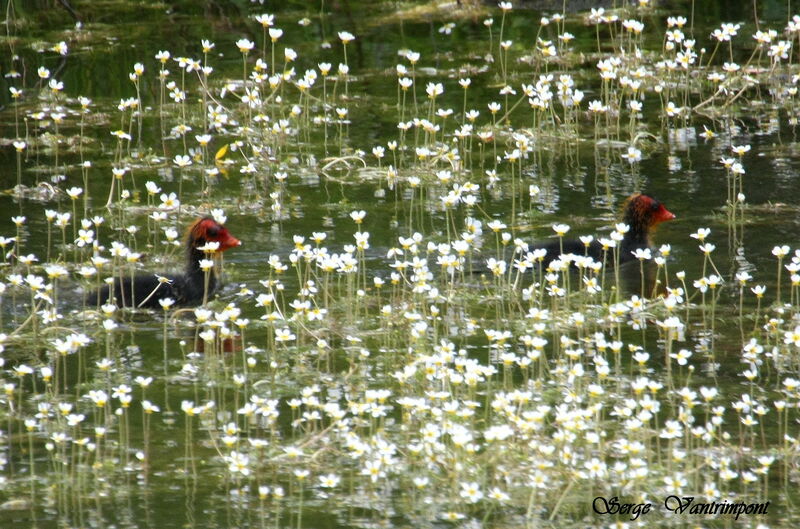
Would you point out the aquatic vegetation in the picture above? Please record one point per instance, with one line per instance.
(410, 356)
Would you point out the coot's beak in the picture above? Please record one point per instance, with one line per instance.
(664, 214)
(228, 241)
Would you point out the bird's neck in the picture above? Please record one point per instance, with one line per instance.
(194, 273)
(638, 236)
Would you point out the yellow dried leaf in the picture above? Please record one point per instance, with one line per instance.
(221, 152)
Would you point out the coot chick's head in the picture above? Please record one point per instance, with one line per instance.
(205, 230)
(643, 212)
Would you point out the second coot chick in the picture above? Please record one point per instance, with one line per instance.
(641, 213)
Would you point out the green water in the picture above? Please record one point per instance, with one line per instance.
(182, 481)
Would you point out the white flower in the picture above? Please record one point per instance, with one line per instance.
(182, 160)
(633, 154)
(471, 492)
(169, 201)
(329, 481)
(166, 303)
(346, 37)
(245, 45)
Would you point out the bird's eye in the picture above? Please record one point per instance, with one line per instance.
(213, 231)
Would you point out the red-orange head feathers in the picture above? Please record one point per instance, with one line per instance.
(206, 229)
(643, 212)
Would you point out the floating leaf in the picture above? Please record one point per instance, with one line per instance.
(221, 152)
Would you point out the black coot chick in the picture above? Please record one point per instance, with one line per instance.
(186, 289)
(641, 213)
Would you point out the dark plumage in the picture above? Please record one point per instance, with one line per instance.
(642, 213)
(187, 288)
